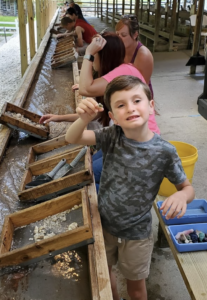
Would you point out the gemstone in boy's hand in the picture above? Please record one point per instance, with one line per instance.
(100, 105)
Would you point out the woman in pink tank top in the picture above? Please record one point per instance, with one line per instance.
(137, 54)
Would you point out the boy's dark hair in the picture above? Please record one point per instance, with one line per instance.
(71, 11)
(126, 83)
(66, 20)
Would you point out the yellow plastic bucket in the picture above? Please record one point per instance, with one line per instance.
(188, 155)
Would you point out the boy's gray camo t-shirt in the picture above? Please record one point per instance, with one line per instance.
(130, 179)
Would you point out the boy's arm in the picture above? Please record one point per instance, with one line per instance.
(177, 203)
(76, 134)
(87, 110)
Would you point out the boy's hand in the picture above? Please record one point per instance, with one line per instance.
(176, 206)
(88, 109)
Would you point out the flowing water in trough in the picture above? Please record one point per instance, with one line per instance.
(66, 276)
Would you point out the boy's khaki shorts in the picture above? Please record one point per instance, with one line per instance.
(133, 256)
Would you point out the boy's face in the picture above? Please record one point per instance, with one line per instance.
(131, 109)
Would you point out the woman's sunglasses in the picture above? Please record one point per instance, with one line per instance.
(130, 17)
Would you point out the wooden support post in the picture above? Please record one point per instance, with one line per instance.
(177, 14)
(166, 13)
(107, 11)
(148, 10)
(130, 8)
(31, 28)
(172, 25)
(97, 8)
(197, 32)
(136, 10)
(123, 6)
(101, 9)
(45, 16)
(157, 23)
(195, 5)
(184, 5)
(141, 10)
(42, 19)
(113, 14)
(22, 36)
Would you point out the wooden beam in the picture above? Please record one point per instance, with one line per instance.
(22, 36)
(6, 235)
(46, 209)
(99, 248)
(148, 11)
(197, 32)
(43, 247)
(31, 28)
(177, 14)
(101, 9)
(113, 14)
(136, 10)
(166, 13)
(38, 22)
(42, 19)
(123, 6)
(107, 8)
(172, 25)
(92, 271)
(157, 22)
(195, 5)
(141, 9)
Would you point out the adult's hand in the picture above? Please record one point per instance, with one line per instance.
(49, 118)
(97, 44)
(75, 87)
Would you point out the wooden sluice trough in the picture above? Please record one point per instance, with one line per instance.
(65, 53)
(40, 266)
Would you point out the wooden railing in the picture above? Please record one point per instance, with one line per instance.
(45, 10)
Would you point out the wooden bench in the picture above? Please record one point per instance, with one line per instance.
(192, 265)
(164, 34)
(110, 17)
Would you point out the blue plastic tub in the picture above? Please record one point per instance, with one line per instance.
(188, 247)
(196, 213)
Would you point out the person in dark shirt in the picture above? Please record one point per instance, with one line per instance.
(77, 9)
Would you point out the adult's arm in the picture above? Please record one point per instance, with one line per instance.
(87, 85)
(144, 63)
(79, 31)
(58, 118)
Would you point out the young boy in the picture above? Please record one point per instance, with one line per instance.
(82, 30)
(135, 161)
